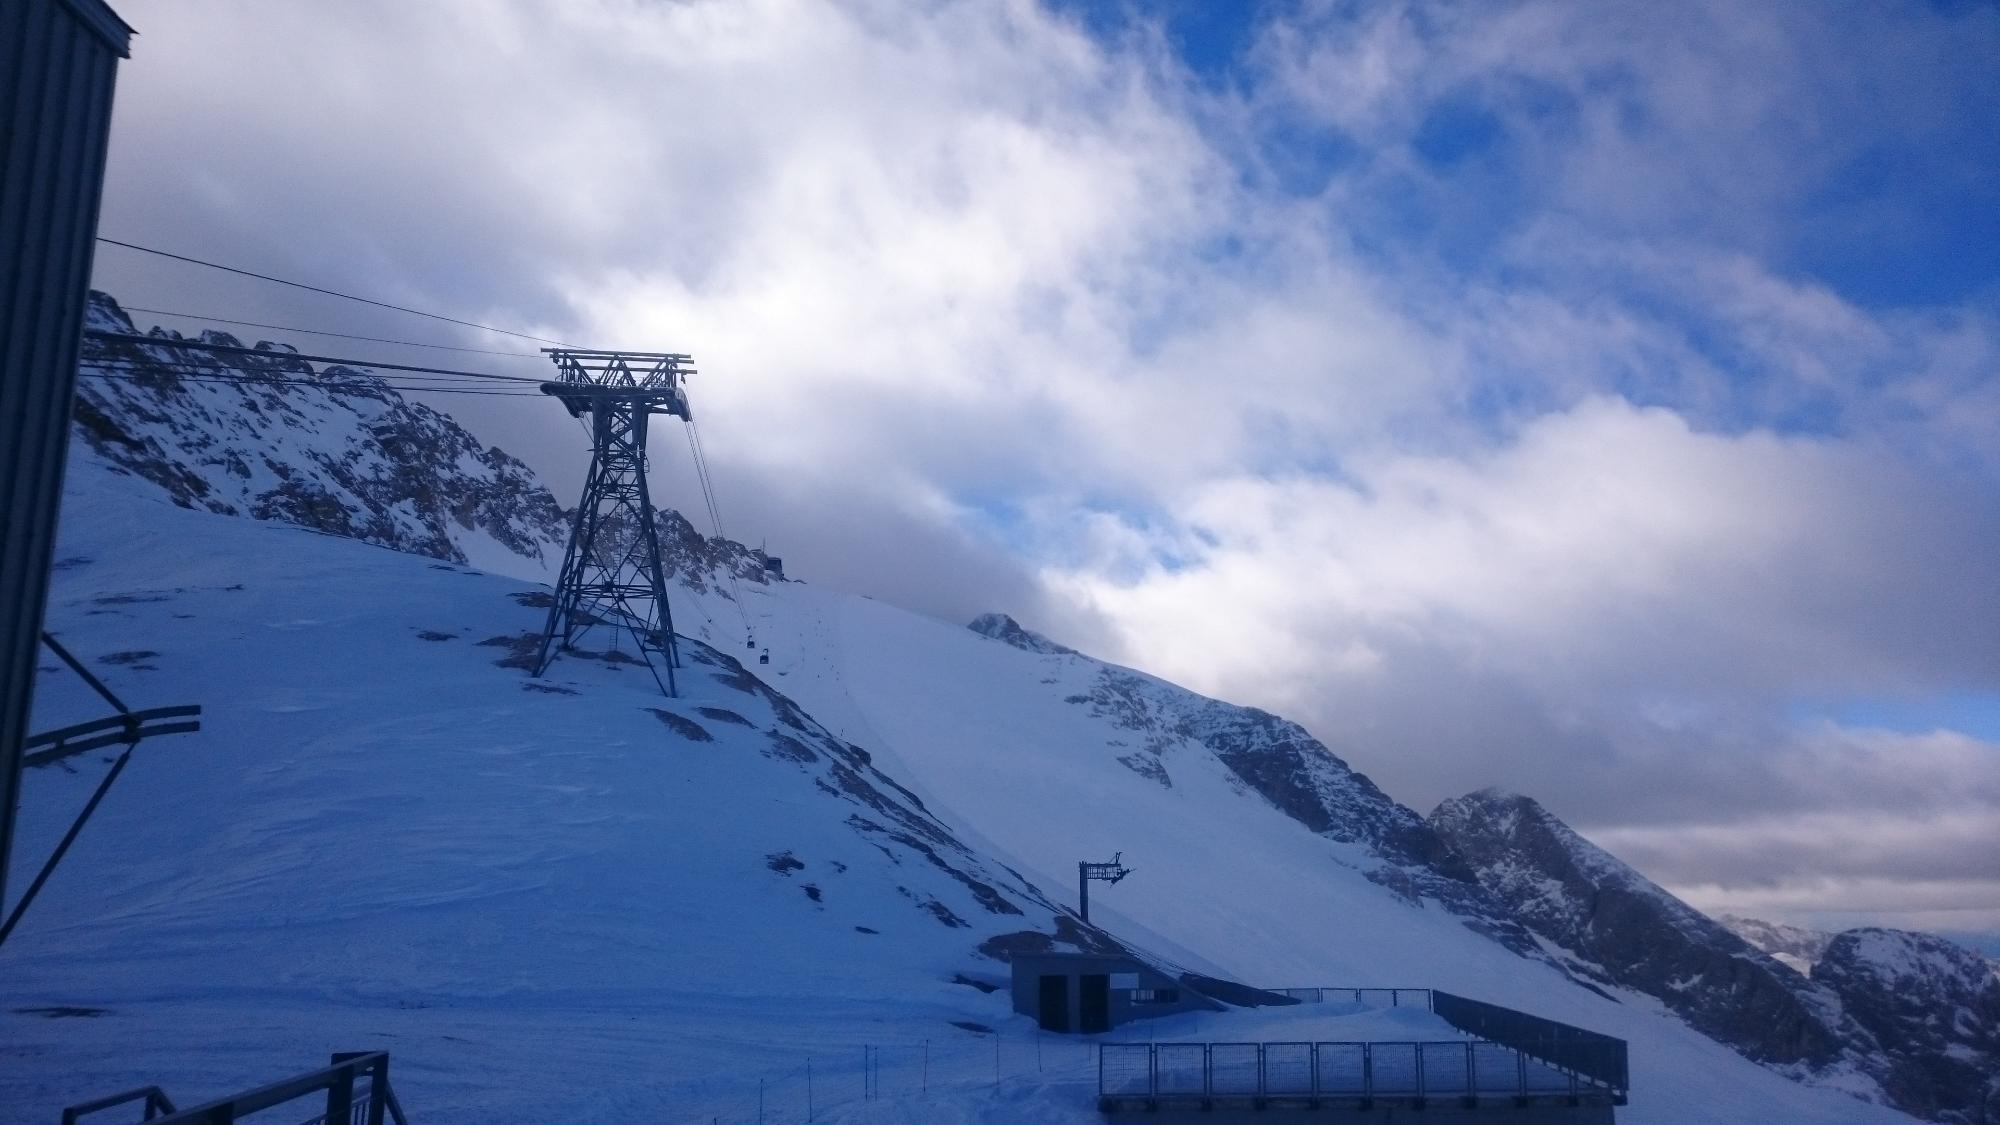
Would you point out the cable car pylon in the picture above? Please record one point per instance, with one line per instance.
(611, 577)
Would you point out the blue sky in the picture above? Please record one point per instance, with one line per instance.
(1598, 401)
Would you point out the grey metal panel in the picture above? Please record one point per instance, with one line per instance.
(57, 64)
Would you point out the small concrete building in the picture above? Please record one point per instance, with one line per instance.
(1093, 992)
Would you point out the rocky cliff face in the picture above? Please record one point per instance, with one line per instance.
(1624, 930)
(338, 450)
(1278, 760)
(1934, 1006)
(271, 437)
(1907, 1019)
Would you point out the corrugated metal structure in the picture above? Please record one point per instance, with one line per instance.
(58, 59)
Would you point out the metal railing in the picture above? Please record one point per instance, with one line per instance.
(1599, 1059)
(1365, 1073)
(157, 1104)
(355, 1085)
(1367, 997)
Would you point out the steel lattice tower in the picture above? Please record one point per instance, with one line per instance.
(611, 576)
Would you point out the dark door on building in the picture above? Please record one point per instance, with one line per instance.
(1093, 1003)
(1054, 1005)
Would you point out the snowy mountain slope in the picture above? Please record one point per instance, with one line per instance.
(1935, 1007)
(382, 816)
(1281, 762)
(997, 742)
(1013, 752)
(1795, 947)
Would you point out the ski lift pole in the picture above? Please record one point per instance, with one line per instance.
(1110, 872)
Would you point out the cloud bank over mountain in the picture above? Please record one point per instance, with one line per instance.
(1599, 403)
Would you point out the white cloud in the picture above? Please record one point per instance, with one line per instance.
(995, 315)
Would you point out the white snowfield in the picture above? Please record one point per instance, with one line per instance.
(549, 903)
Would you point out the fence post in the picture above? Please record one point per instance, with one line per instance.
(378, 1091)
(1367, 1076)
(1419, 1052)
(1471, 1075)
(340, 1097)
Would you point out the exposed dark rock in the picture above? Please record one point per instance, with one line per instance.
(521, 649)
(685, 727)
(1278, 760)
(1934, 1006)
(1621, 929)
(1148, 768)
(1006, 630)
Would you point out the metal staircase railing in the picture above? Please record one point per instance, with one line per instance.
(355, 1085)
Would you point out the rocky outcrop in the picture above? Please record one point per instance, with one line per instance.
(336, 449)
(1934, 1007)
(1005, 629)
(1626, 931)
(269, 436)
(1281, 762)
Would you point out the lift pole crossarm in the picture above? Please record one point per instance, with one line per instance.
(581, 398)
(1086, 871)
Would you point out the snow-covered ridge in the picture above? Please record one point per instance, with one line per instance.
(1281, 762)
(1908, 1019)
(260, 436)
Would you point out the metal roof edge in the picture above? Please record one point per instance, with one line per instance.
(99, 18)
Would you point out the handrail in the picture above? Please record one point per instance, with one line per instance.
(1596, 1056)
(155, 1098)
(337, 1081)
(1401, 1071)
(1319, 995)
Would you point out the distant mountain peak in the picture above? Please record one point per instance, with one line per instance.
(1795, 946)
(1005, 629)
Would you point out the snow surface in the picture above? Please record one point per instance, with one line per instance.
(551, 906)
